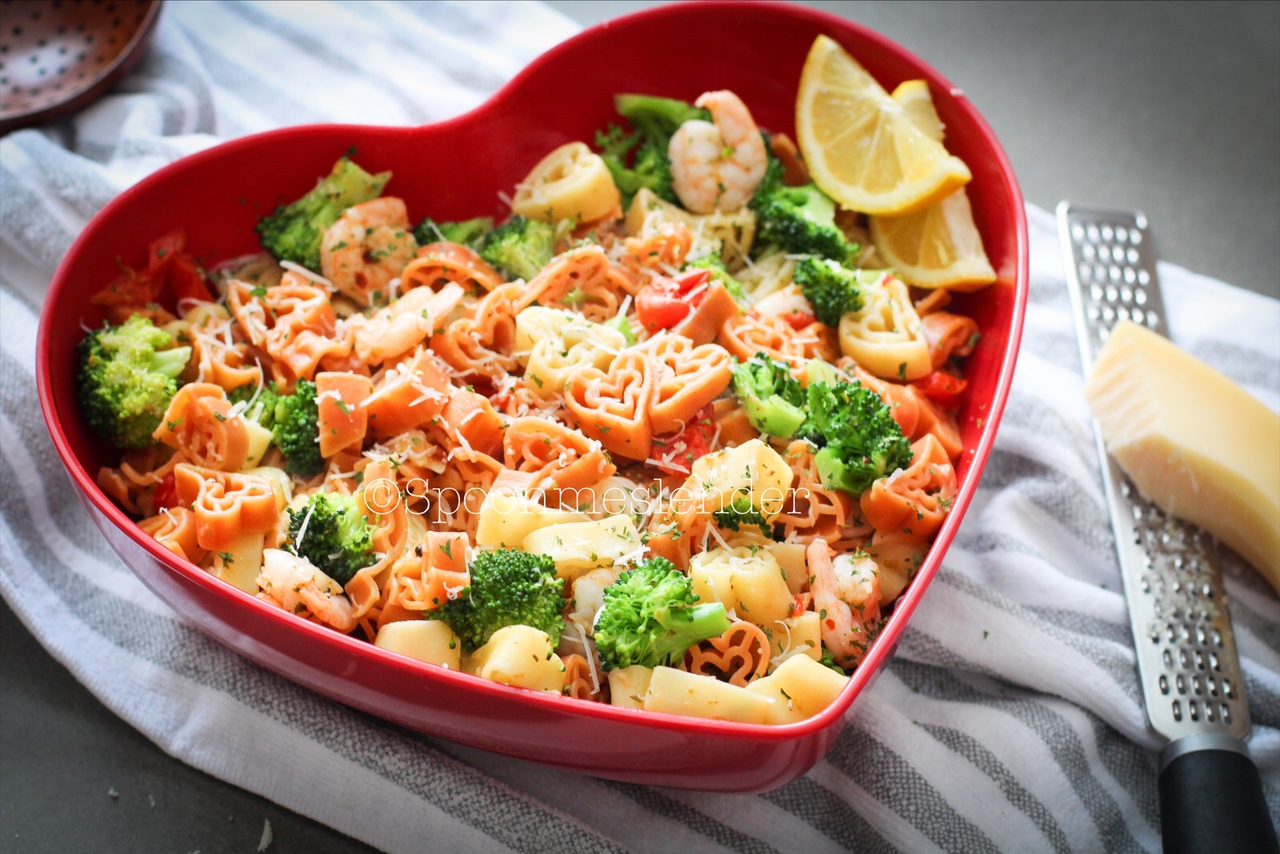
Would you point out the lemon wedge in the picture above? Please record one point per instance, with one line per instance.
(861, 146)
(914, 98)
(938, 247)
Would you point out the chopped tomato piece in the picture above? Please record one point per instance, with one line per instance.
(187, 281)
(162, 250)
(665, 301)
(798, 320)
(676, 452)
(166, 494)
(942, 388)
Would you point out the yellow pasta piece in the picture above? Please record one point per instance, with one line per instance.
(506, 519)
(259, 442)
(729, 235)
(799, 689)
(578, 547)
(521, 656)
(240, 563)
(746, 580)
(431, 641)
(885, 336)
(628, 686)
(537, 322)
(752, 468)
(575, 345)
(572, 182)
(798, 635)
(790, 557)
(679, 693)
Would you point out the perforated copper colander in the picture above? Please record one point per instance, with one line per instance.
(56, 56)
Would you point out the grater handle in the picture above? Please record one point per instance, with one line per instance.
(1211, 798)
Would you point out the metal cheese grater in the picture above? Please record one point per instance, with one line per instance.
(1191, 680)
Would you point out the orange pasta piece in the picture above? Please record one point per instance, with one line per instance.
(613, 405)
(404, 324)
(812, 511)
(748, 334)
(733, 427)
(559, 456)
(481, 344)
(583, 279)
(949, 335)
(226, 504)
(579, 680)
(175, 529)
(738, 656)
(220, 359)
(913, 501)
(444, 574)
(661, 251)
(408, 394)
(686, 378)
(199, 423)
(469, 420)
(293, 321)
(342, 419)
(444, 263)
(703, 324)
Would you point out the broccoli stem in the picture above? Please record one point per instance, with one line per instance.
(171, 362)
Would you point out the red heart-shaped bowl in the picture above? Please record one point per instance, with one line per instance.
(457, 169)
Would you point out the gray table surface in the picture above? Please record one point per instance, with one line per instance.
(1169, 107)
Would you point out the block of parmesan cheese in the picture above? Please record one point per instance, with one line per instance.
(1194, 443)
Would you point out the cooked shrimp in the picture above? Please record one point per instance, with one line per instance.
(299, 588)
(717, 165)
(367, 248)
(846, 594)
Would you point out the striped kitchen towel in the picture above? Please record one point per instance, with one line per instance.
(1009, 720)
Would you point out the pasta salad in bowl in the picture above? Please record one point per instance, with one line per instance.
(618, 426)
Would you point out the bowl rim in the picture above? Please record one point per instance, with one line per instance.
(885, 644)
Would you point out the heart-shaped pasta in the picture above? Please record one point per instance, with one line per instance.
(885, 335)
(175, 529)
(661, 249)
(559, 456)
(293, 321)
(738, 656)
(913, 501)
(575, 345)
(686, 378)
(570, 182)
(584, 279)
(226, 504)
(482, 344)
(199, 424)
(443, 263)
(613, 405)
(748, 334)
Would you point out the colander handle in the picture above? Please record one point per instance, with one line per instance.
(1211, 798)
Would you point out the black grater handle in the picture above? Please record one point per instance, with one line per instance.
(1211, 799)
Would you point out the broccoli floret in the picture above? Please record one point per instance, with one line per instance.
(508, 588)
(294, 231)
(126, 378)
(295, 429)
(830, 288)
(520, 247)
(332, 533)
(468, 232)
(740, 511)
(796, 220)
(770, 394)
(653, 121)
(859, 439)
(719, 273)
(651, 616)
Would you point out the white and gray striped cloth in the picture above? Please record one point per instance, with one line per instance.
(1009, 720)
